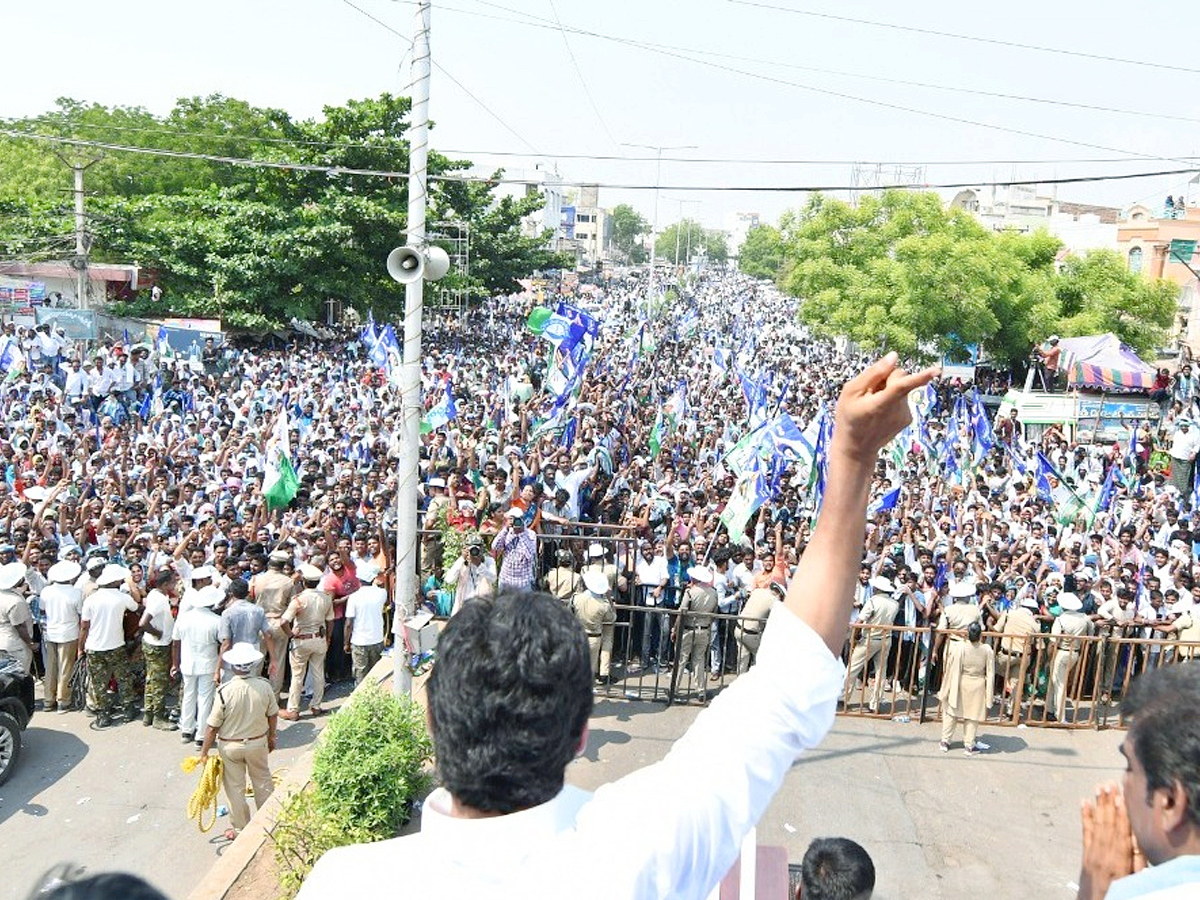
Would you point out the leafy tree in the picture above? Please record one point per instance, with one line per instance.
(761, 254)
(627, 226)
(1098, 293)
(902, 271)
(687, 238)
(253, 245)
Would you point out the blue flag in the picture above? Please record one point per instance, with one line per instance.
(886, 503)
(8, 357)
(144, 409)
(1104, 501)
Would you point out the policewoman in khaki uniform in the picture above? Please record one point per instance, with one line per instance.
(1067, 652)
(242, 724)
(696, 611)
(308, 622)
(873, 646)
(966, 690)
(594, 609)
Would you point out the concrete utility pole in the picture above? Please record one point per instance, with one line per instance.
(408, 469)
(657, 182)
(80, 263)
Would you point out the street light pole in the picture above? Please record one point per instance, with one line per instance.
(408, 465)
(657, 181)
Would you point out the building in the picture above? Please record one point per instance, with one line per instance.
(1144, 239)
(1021, 208)
(24, 286)
(593, 226)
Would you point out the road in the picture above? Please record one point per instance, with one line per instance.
(115, 799)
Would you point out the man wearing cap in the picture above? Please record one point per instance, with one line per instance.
(62, 604)
(696, 611)
(966, 690)
(956, 617)
(242, 725)
(157, 625)
(196, 644)
(1017, 625)
(273, 590)
(594, 609)
(308, 623)
(1066, 652)
(873, 643)
(563, 581)
(473, 574)
(16, 619)
(753, 620)
(102, 637)
(364, 622)
(518, 547)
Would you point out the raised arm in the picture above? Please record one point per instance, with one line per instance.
(872, 409)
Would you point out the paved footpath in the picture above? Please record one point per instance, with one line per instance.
(1003, 825)
(115, 799)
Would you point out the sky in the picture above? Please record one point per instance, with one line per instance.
(737, 80)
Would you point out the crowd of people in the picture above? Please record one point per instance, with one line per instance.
(134, 531)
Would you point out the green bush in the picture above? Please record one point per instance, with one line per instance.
(370, 764)
(368, 769)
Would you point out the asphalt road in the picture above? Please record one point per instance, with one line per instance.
(115, 799)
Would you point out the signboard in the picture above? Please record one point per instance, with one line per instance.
(1183, 251)
(961, 362)
(186, 341)
(194, 324)
(21, 292)
(79, 324)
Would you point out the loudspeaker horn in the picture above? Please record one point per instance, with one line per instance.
(437, 263)
(405, 264)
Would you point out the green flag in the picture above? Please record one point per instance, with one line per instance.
(280, 483)
(538, 317)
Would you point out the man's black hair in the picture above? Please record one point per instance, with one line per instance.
(239, 589)
(60, 884)
(508, 701)
(1165, 733)
(836, 869)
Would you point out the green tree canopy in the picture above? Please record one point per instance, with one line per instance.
(901, 270)
(687, 238)
(255, 245)
(761, 254)
(627, 226)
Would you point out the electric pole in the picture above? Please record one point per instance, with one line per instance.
(657, 181)
(408, 469)
(82, 241)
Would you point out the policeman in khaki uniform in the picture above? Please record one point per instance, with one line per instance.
(1018, 626)
(242, 724)
(594, 609)
(563, 581)
(753, 619)
(272, 590)
(1067, 652)
(873, 646)
(1187, 629)
(308, 622)
(696, 611)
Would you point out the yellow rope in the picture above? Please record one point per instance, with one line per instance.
(205, 794)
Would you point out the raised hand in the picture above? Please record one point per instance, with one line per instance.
(873, 408)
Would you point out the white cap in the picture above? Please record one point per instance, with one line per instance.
(961, 589)
(884, 585)
(11, 574)
(515, 512)
(595, 549)
(1070, 602)
(112, 574)
(596, 582)
(242, 655)
(367, 572)
(702, 574)
(64, 571)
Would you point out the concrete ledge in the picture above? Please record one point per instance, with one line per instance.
(224, 880)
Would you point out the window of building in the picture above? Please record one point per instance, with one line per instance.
(1135, 260)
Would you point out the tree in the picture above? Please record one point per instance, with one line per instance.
(902, 271)
(687, 238)
(1097, 293)
(761, 254)
(627, 226)
(255, 245)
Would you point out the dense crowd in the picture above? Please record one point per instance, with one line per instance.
(134, 531)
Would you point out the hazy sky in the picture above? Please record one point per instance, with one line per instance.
(303, 54)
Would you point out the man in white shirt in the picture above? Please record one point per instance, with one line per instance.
(102, 637)
(196, 643)
(157, 624)
(62, 604)
(504, 826)
(364, 622)
(473, 574)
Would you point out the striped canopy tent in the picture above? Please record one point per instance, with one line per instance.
(1103, 363)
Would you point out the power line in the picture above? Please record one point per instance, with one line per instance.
(600, 157)
(582, 81)
(462, 87)
(966, 37)
(883, 104)
(536, 22)
(472, 179)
